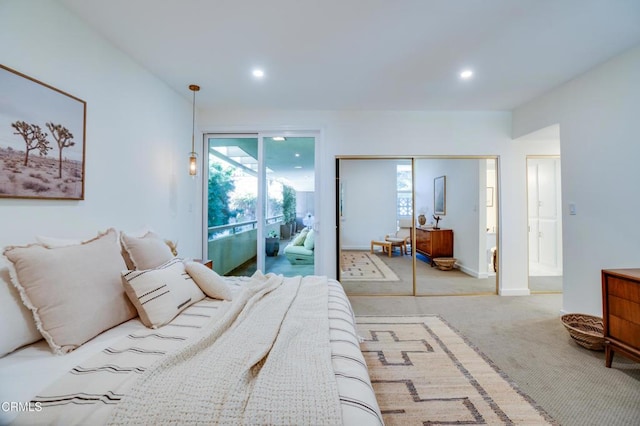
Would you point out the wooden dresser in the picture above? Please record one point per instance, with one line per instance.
(621, 313)
(434, 243)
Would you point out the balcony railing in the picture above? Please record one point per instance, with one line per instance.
(220, 231)
(232, 245)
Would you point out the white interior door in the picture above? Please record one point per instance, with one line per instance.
(545, 219)
(532, 203)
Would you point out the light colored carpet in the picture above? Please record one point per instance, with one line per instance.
(526, 339)
(424, 372)
(545, 283)
(363, 266)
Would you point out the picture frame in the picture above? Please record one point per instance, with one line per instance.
(440, 195)
(489, 196)
(341, 196)
(42, 140)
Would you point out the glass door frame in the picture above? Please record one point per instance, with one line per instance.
(205, 185)
(262, 185)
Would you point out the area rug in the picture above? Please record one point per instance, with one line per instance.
(364, 266)
(425, 373)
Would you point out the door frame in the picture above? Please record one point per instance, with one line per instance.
(260, 134)
(559, 199)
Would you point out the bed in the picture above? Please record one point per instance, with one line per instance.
(281, 351)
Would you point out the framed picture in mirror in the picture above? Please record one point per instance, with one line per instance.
(440, 195)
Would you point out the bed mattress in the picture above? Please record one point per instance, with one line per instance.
(122, 353)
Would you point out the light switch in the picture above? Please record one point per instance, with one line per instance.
(572, 209)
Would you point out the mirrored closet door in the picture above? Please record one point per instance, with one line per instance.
(375, 213)
(418, 226)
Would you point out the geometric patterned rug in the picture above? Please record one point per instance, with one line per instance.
(363, 266)
(424, 372)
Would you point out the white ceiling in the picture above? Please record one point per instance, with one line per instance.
(365, 54)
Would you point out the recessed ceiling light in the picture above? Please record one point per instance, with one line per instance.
(297, 167)
(297, 155)
(258, 73)
(279, 138)
(466, 74)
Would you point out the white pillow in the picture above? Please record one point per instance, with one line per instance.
(17, 327)
(146, 252)
(141, 232)
(52, 242)
(160, 294)
(74, 292)
(209, 281)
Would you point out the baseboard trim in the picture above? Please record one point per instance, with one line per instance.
(514, 292)
(472, 272)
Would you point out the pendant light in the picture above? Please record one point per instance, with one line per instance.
(193, 156)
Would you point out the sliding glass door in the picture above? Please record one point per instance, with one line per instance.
(259, 199)
(289, 222)
(232, 207)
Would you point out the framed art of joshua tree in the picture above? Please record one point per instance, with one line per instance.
(42, 140)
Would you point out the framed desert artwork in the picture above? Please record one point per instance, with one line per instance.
(42, 140)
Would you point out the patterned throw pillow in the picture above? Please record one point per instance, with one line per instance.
(160, 294)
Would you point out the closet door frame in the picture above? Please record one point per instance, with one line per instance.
(413, 158)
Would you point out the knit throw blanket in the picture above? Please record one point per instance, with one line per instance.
(266, 360)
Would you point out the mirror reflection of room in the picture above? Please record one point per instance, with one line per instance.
(375, 198)
(451, 230)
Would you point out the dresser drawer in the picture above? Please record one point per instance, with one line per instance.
(623, 288)
(621, 313)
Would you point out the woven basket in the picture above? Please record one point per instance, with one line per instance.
(445, 263)
(586, 330)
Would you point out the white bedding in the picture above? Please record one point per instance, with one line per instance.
(28, 371)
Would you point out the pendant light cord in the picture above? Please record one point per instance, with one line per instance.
(193, 124)
(194, 88)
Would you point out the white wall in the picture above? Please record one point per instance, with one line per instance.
(138, 133)
(404, 133)
(305, 203)
(369, 212)
(598, 117)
